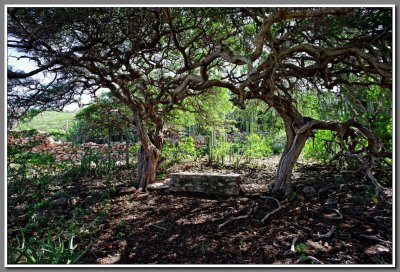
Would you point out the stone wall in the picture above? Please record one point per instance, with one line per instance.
(213, 183)
(65, 151)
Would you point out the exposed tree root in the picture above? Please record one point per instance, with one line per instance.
(328, 234)
(378, 187)
(339, 217)
(141, 191)
(309, 258)
(375, 238)
(366, 167)
(274, 211)
(377, 218)
(292, 247)
(158, 227)
(252, 209)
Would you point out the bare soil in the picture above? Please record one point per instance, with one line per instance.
(163, 227)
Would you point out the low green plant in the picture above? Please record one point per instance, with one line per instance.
(121, 228)
(303, 258)
(48, 250)
(205, 247)
(293, 195)
(301, 248)
(27, 168)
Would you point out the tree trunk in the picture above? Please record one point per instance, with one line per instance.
(147, 166)
(150, 149)
(295, 141)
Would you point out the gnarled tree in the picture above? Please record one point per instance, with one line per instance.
(151, 59)
(284, 51)
(133, 52)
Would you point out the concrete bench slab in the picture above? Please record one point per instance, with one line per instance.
(212, 183)
(254, 189)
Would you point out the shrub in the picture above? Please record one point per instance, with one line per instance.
(256, 147)
(183, 150)
(321, 147)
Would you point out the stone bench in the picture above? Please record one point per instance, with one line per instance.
(212, 183)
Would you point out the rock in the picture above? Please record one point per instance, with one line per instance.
(127, 190)
(376, 249)
(254, 188)
(157, 186)
(330, 203)
(60, 201)
(309, 190)
(318, 246)
(213, 183)
(301, 197)
(74, 200)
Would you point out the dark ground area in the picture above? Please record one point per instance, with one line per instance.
(163, 227)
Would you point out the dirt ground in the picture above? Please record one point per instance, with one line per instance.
(163, 227)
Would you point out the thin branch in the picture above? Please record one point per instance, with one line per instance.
(158, 227)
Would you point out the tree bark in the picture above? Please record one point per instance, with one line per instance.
(295, 141)
(147, 165)
(297, 131)
(149, 154)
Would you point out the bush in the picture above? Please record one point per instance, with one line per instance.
(57, 134)
(183, 150)
(277, 141)
(256, 147)
(321, 147)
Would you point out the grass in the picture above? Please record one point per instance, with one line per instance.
(49, 121)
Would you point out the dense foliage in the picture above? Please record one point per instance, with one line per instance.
(318, 68)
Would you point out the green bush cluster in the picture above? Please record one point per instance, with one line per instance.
(321, 146)
(254, 146)
(180, 151)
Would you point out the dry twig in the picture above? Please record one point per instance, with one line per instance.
(158, 227)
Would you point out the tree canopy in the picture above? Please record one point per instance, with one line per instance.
(154, 59)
